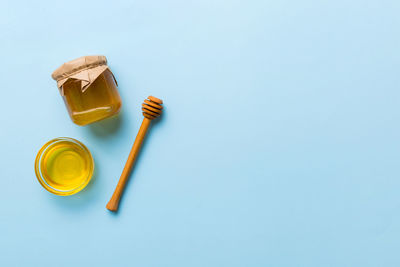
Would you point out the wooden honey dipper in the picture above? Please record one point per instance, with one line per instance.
(151, 109)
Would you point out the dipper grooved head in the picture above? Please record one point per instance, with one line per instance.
(152, 107)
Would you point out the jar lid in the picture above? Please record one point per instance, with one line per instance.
(85, 69)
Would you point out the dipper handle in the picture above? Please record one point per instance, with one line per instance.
(112, 205)
(151, 109)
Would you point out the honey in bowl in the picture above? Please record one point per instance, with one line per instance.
(64, 166)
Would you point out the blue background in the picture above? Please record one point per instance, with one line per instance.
(279, 145)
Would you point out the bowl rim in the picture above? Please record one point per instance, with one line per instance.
(43, 181)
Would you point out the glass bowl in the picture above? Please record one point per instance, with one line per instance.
(64, 166)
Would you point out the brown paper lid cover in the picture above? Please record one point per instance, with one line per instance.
(85, 69)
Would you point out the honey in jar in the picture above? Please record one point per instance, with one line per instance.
(89, 89)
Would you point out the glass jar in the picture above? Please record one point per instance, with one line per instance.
(89, 89)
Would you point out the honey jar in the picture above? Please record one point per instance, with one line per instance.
(89, 89)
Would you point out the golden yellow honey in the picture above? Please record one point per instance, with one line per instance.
(64, 166)
(89, 89)
(99, 101)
